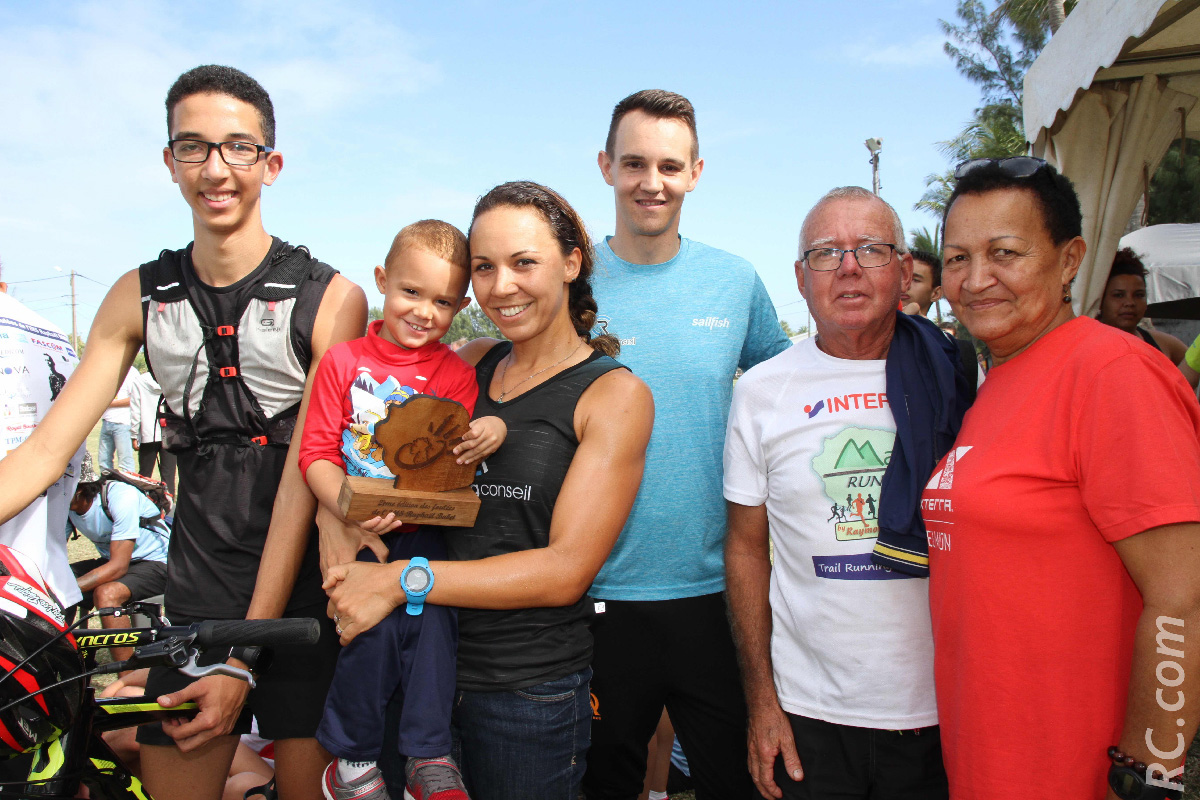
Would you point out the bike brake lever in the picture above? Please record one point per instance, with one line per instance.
(192, 670)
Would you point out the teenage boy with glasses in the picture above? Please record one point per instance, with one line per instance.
(233, 326)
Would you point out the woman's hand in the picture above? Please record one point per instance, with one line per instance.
(362, 594)
(484, 438)
(340, 540)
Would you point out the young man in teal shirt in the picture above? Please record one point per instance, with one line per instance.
(688, 317)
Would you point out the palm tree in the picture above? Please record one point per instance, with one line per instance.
(924, 239)
(1035, 13)
(995, 132)
(937, 192)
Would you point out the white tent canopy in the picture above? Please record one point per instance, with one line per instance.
(1103, 102)
(1171, 254)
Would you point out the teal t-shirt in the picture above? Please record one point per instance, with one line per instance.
(685, 328)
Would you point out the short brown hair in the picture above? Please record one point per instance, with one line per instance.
(440, 238)
(657, 103)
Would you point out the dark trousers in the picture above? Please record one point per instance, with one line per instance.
(842, 762)
(406, 659)
(148, 453)
(673, 653)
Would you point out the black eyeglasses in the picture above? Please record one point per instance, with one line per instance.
(868, 256)
(1013, 166)
(235, 154)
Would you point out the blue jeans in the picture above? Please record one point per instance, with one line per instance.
(116, 435)
(529, 744)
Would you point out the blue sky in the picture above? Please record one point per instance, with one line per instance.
(388, 112)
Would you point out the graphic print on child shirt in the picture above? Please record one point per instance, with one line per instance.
(369, 403)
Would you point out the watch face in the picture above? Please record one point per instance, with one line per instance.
(417, 580)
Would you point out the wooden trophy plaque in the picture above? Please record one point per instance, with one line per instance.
(431, 488)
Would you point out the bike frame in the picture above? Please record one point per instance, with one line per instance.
(80, 755)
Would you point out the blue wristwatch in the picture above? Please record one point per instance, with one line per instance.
(416, 581)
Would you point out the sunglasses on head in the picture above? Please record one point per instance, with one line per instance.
(1013, 166)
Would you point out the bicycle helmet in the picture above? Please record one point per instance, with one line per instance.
(31, 618)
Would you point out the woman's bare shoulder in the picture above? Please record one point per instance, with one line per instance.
(474, 350)
(617, 394)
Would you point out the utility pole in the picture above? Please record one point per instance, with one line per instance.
(74, 330)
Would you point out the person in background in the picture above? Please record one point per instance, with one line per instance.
(39, 368)
(115, 433)
(1124, 305)
(127, 529)
(688, 317)
(147, 434)
(1063, 524)
(925, 290)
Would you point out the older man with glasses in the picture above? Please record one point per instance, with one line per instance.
(834, 637)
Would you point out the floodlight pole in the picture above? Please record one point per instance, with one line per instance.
(874, 146)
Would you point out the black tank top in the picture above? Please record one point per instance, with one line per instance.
(227, 490)
(518, 486)
(1145, 334)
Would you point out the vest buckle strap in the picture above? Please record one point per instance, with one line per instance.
(259, 440)
(226, 330)
(228, 372)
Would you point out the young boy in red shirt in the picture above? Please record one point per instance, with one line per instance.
(424, 282)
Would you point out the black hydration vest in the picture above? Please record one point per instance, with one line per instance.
(258, 360)
(232, 363)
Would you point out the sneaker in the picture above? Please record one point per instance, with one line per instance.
(368, 786)
(434, 779)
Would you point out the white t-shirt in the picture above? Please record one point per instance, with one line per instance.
(121, 415)
(144, 393)
(36, 358)
(810, 436)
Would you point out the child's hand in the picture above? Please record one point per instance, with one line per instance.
(484, 438)
(381, 525)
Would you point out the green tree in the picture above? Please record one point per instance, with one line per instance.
(471, 323)
(1175, 187)
(981, 45)
(993, 49)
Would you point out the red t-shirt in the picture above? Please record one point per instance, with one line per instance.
(1086, 438)
(355, 382)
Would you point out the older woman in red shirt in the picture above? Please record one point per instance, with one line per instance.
(1063, 524)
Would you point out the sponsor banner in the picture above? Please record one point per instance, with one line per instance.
(9, 322)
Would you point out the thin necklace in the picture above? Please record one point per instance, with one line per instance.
(507, 361)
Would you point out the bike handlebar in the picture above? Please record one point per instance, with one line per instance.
(256, 632)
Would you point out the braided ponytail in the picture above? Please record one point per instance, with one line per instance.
(570, 233)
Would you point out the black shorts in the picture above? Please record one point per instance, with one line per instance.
(143, 578)
(290, 696)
